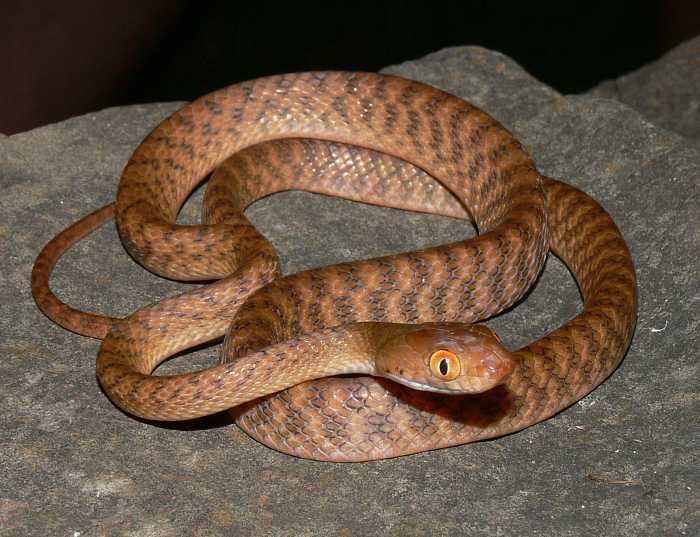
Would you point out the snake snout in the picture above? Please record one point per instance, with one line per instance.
(491, 365)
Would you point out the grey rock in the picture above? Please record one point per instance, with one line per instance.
(667, 91)
(623, 461)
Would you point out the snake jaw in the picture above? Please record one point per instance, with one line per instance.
(422, 386)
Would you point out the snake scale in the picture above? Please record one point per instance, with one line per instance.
(415, 373)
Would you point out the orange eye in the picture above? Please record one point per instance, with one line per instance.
(445, 365)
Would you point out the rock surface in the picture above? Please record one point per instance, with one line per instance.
(623, 461)
(665, 91)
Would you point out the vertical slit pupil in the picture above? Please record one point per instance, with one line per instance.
(444, 366)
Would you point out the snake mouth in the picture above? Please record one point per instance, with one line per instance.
(422, 386)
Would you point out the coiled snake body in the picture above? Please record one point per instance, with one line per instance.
(433, 381)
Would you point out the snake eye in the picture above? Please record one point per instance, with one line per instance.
(445, 365)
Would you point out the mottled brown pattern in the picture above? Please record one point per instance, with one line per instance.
(363, 418)
(294, 321)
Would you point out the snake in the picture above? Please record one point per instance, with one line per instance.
(369, 359)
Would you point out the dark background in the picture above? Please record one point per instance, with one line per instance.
(61, 59)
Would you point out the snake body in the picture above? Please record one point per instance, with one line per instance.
(284, 333)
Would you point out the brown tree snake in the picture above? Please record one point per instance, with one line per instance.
(415, 373)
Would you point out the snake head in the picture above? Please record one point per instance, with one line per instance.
(444, 357)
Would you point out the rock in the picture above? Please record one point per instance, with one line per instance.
(665, 91)
(623, 461)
